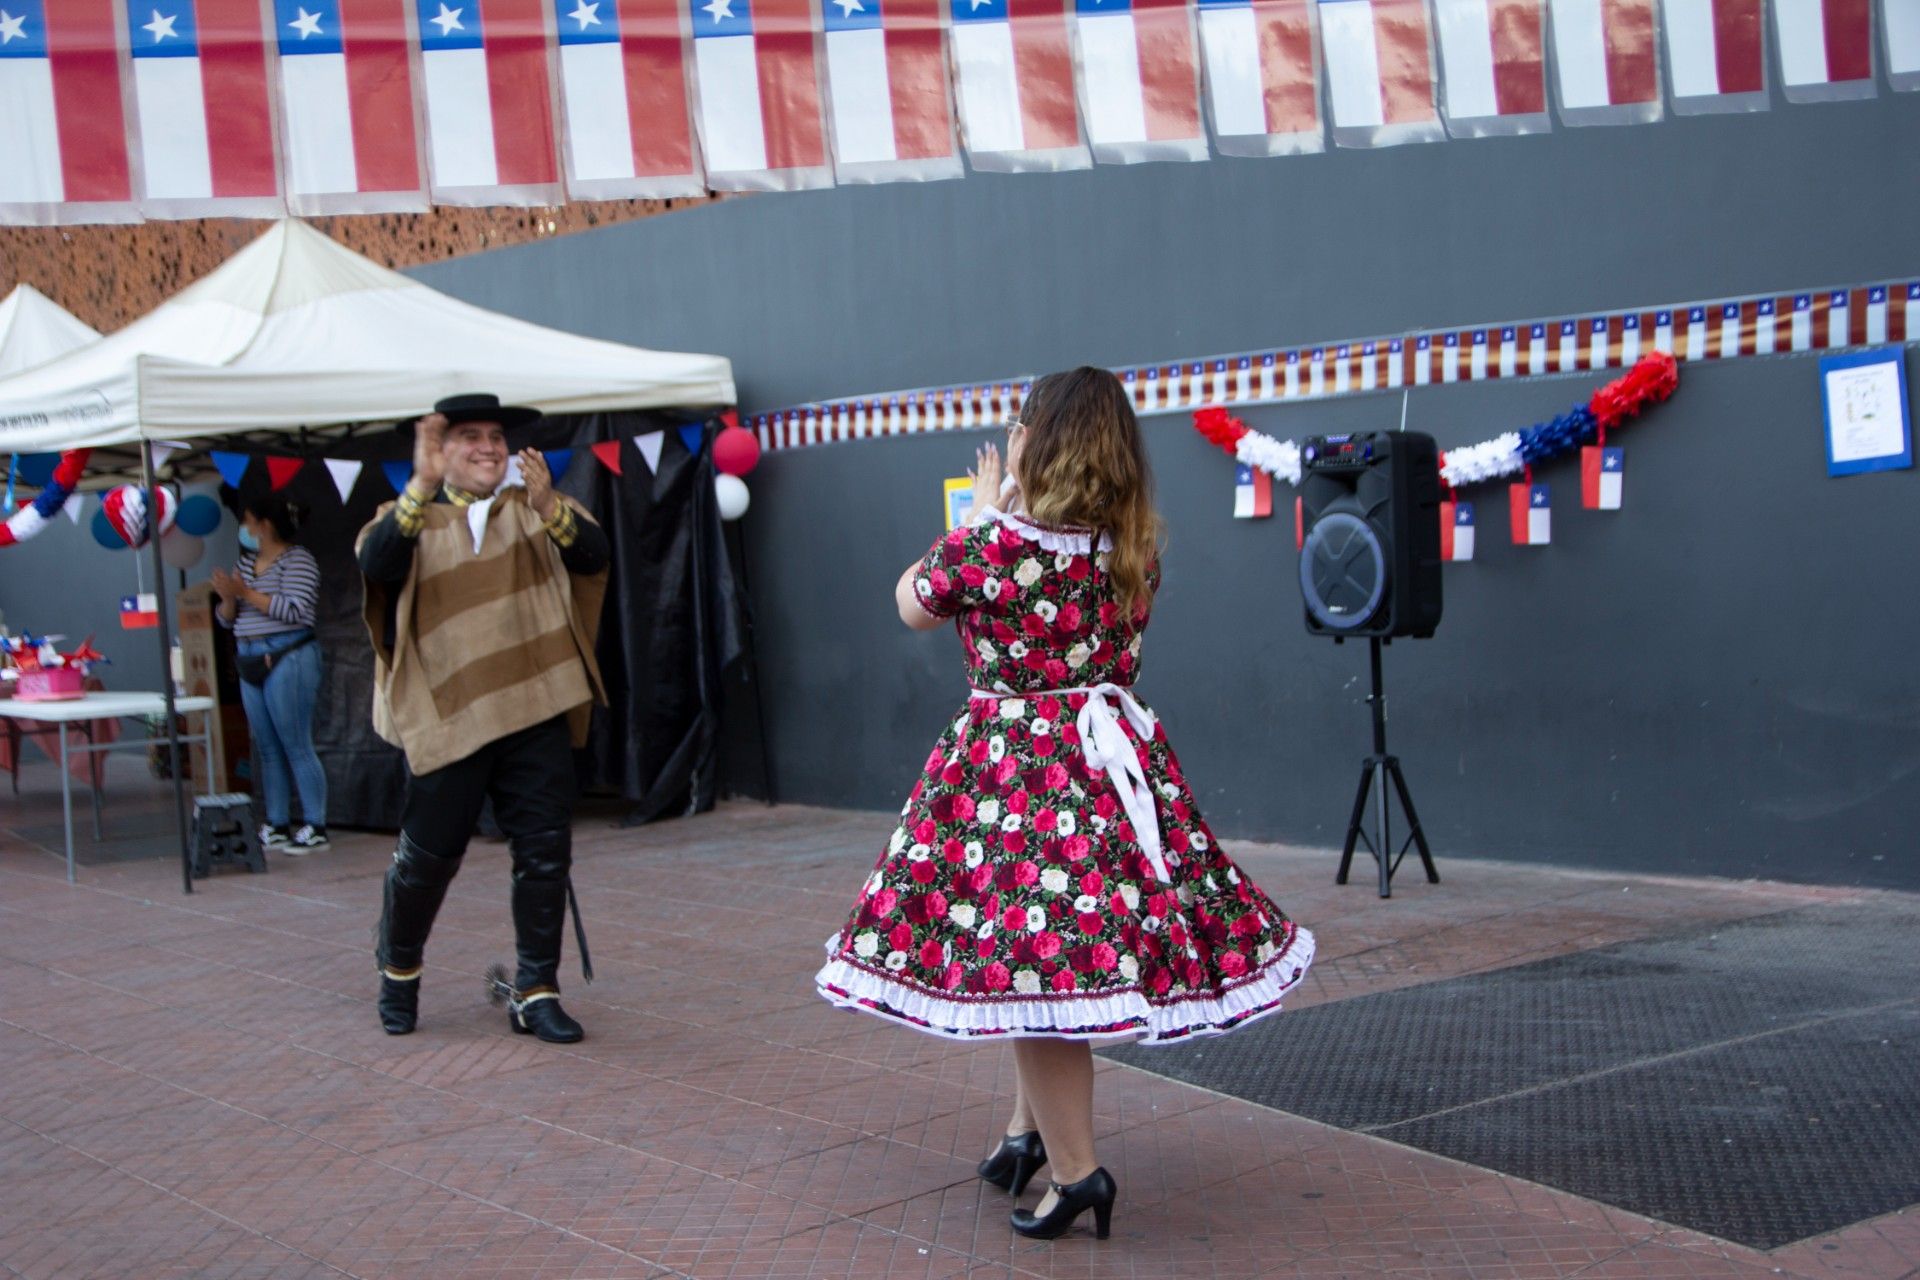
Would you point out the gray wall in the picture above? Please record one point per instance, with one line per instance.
(1716, 679)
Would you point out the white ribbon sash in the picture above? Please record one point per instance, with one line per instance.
(1106, 748)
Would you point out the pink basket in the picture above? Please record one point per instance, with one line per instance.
(56, 684)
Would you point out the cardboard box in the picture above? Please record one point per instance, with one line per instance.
(208, 670)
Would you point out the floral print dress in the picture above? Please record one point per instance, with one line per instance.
(1051, 874)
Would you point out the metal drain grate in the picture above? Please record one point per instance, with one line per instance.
(1756, 1081)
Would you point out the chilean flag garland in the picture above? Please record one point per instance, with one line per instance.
(1013, 85)
(1139, 82)
(887, 91)
(1493, 54)
(759, 95)
(1718, 53)
(1263, 78)
(489, 122)
(200, 94)
(346, 107)
(623, 85)
(63, 151)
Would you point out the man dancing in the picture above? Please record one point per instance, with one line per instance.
(483, 604)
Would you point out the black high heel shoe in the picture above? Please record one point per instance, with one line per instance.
(1096, 1191)
(1014, 1164)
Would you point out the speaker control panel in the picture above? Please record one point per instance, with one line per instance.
(1336, 453)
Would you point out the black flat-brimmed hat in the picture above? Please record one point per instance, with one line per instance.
(484, 406)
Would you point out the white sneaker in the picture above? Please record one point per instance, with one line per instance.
(307, 838)
(272, 837)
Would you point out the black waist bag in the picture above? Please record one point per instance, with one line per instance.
(255, 668)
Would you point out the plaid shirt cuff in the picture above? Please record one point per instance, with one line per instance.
(564, 526)
(409, 514)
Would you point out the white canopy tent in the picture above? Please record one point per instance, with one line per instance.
(35, 329)
(297, 331)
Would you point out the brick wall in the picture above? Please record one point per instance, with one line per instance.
(110, 275)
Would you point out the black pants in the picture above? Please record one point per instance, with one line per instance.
(529, 777)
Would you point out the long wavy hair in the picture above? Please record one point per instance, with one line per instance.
(1083, 462)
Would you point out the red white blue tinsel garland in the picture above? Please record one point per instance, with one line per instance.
(33, 517)
(1511, 453)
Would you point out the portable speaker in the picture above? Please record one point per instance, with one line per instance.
(1370, 510)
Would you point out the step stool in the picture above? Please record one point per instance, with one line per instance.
(223, 834)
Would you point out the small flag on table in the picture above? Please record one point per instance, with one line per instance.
(1456, 531)
(139, 611)
(1252, 493)
(1532, 516)
(1601, 473)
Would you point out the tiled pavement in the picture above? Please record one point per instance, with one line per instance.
(196, 1086)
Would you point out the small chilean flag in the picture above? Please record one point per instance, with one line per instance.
(624, 87)
(489, 119)
(1379, 72)
(1601, 472)
(139, 611)
(1456, 531)
(1532, 514)
(1252, 493)
(346, 107)
(63, 149)
(1717, 53)
(1826, 48)
(886, 94)
(1493, 53)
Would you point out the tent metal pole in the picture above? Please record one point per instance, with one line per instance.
(150, 484)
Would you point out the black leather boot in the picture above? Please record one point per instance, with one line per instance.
(541, 862)
(399, 1003)
(416, 885)
(539, 1014)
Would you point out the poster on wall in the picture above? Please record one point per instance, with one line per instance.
(959, 494)
(1865, 397)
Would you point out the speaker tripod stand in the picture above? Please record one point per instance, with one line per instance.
(1375, 773)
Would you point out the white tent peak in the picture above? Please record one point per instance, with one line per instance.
(35, 329)
(289, 265)
(295, 330)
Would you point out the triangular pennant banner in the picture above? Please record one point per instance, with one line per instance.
(515, 476)
(608, 451)
(649, 447)
(730, 418)
(231, 466)
(281, 470)
(557, 460)
(691, 436)
(164, 449)
(397, 473)
(74, 505)
(344, 475)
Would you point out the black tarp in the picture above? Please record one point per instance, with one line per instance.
(672, 625)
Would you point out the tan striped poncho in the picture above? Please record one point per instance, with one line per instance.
(484, 644)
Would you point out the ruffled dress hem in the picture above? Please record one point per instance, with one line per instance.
(1127, 1015)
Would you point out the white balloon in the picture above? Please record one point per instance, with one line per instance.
(181, 550)
(733, 496)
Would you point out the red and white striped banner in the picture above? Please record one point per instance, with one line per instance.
(111, 110)
(1724, 329)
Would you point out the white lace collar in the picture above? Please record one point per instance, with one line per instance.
(1078, 542)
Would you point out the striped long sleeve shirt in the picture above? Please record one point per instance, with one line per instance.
(292, 582)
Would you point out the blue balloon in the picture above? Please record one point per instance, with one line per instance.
(37, 468)
(103, 532)
(199, 515)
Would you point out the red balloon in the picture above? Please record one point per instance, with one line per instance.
(735, 451)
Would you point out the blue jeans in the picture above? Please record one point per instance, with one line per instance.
(280, 714)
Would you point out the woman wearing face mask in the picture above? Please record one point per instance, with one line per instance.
(268, 600)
